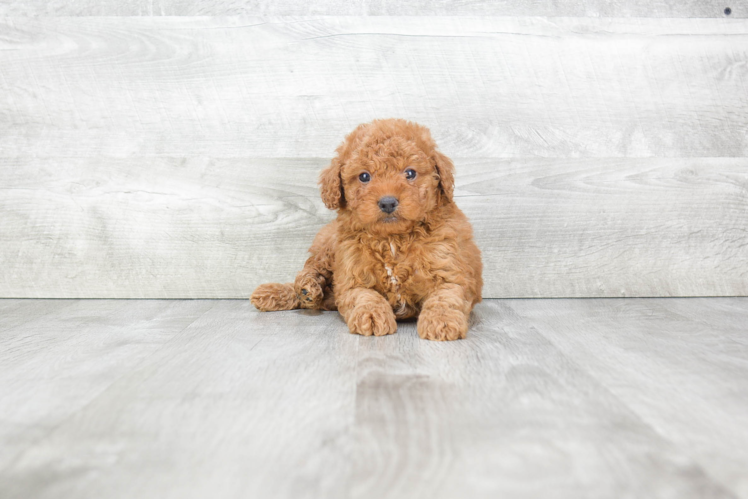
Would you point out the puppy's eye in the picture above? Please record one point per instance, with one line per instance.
(364, 177)
(410, 174)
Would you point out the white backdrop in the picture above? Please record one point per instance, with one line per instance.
(166, 150)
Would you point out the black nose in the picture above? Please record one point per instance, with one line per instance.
(388, 204)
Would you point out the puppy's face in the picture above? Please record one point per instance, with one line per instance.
(390, 185)
(388, 176)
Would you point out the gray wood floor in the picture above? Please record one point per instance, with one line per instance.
(571, 397)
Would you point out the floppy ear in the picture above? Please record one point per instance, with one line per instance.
(331, 185)
(330, 181)
(446, 170)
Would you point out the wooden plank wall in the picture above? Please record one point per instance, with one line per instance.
(168, 150)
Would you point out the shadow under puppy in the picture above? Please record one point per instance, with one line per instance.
(399, 248)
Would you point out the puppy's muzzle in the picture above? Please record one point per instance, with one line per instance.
(388, 204)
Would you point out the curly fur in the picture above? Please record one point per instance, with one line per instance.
(421, 263)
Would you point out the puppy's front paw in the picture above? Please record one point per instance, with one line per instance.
(443, 324)
(372, 319)
(309, 291)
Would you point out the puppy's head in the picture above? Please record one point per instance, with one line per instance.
(388, 175)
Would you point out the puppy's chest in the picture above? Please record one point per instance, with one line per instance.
(403, 279)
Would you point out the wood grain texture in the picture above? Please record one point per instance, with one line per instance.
(668, 377)
(16, 312)
(515, 419)
(216, 228)
(226, 401)
(293, 87)
(228, 406)
(580, 8)
(53, 366)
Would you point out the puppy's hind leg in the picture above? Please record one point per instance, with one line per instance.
(312, 288)
(310, 285)
(313, 284)
(275, 297)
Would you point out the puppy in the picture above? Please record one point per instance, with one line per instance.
(399, 248)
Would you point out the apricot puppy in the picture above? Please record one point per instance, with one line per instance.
(399, 248)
